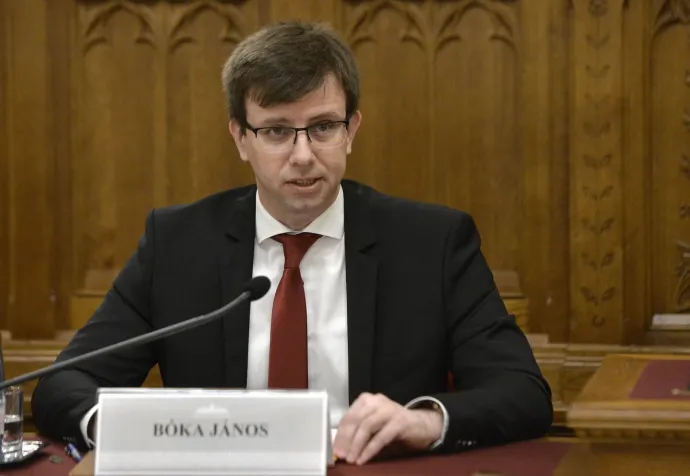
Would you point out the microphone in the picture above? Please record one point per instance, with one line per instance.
(253, 290)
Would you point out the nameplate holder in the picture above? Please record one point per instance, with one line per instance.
(152, 432)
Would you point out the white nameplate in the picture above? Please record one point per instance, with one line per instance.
(147, 432)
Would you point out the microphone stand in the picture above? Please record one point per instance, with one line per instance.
(141, 339)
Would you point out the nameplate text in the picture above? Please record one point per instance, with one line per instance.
(150, 432)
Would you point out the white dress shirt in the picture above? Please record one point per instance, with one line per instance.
(324, 276)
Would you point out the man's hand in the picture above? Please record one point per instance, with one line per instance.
(374, 421)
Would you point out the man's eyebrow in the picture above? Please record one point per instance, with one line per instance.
(283, 121)
(326, 116)
(269, 121)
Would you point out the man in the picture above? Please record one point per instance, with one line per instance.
(374, 298)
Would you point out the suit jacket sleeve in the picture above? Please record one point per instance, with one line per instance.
(61, 400)
(500, 394)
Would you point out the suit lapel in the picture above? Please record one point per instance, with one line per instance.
(361, 270)
(236, 267)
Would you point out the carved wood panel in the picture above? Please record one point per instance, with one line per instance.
(201, 155)
(380, 32)
(114, 136)
(670, 154)
(468, 117)
(151, 127)
(447, 133)
(596, 163)
(562, 126)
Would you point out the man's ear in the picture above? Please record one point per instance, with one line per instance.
(239, 137)
(355, 121)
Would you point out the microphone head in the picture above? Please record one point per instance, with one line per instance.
(258, 287)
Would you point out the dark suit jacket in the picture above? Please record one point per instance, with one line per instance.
(421, 303)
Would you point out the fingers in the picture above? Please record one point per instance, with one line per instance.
(367, 428)
(375, 423)
(388, 433)
(360, 410)
(360, 434)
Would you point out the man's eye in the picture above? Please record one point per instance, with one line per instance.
(275, 131)
(323, 127)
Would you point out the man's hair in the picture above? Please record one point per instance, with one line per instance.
(284, 62)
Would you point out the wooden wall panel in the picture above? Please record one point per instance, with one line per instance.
(59, 37)
(201, 157)
(670, 156)
(463, 128)
(151, 124)
(656, 41)
(308, 10)
(637, 224)
(476, 140)
(30, 173)
(4, 167)
(595, 167)
(542, 116)
(561, 125)
(114, 137)
(395, 100)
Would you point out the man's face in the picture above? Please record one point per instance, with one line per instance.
(298, 182)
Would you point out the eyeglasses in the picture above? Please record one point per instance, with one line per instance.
(324, 135)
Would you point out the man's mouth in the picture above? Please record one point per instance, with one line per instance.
(304, 182)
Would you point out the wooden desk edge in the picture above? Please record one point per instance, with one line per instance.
(649, 357)
(86, 467)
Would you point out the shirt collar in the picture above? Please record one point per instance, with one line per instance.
(330, 223)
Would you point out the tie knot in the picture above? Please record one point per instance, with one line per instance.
(296, 246)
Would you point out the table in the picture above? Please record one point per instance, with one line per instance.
(52, 460)
(544, 457)
(635, 397)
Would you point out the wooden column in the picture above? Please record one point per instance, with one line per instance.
(637, 180)
(30, 171)
(596, 164)
(4, 169)
(544, 107)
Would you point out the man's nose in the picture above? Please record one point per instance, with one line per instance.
(301, 151)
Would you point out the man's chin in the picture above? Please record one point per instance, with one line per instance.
(307, 209)
(306, 206)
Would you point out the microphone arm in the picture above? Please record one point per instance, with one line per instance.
(256, 289)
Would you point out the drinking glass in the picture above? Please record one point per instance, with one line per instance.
(13, 436)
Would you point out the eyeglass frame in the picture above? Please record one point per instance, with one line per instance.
(297, 130)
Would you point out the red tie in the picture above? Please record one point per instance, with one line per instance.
(287, 362)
